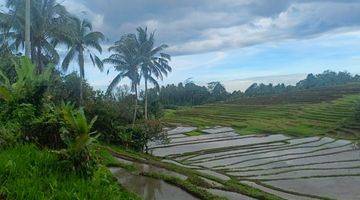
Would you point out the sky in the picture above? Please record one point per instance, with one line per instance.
(237, 42)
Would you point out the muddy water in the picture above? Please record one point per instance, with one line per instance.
(149, 188)
(150, 168)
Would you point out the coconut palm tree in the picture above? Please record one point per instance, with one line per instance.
(83, 40)
(126, 61)
(154, 63)
(48, 24)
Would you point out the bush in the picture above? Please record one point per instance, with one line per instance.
(10, 134)
(45, 130)
(156, 110)
(76, 134)
(112, 116)
(15, 120)
(67, 88)
(29, 87)
(143, 133)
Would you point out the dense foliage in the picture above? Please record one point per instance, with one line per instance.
(187, 94)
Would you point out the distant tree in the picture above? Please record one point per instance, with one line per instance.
(154, 63)
(217, 91)
(83, 40)
(122, 92)
(251, 89)
(126, 62)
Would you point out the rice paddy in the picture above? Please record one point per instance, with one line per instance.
(289, 167)
(319, 112)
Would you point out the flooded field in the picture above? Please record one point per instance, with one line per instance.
(149, 188)
(292, 168)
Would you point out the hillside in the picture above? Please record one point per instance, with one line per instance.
(319, 111)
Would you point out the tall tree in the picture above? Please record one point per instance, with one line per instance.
(48, 24)
(154, 63)
(126, 61)
(83, 40)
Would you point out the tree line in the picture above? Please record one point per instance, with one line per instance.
(327, 78)
(189, 93)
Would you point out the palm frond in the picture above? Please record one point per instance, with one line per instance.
(114, 82)
(68, 58)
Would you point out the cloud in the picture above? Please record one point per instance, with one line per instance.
(182, 63)
(193, 27)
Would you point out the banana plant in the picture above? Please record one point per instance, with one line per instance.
(76, 132)
(27, 79)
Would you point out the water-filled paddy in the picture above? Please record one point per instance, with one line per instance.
(149, 188)
(293, 168)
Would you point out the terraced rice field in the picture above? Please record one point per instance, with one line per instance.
(289, 167)
(332, 117)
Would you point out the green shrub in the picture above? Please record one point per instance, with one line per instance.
(145, 132)
(10, 134)
(21, 99)
(76, 134)
(45, 129)
(156, 109)
(67, 88)
(112, 115)
(14, 121)
(29, 87)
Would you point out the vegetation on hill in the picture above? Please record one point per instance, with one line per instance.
(325, 79)
(190, 94)
(322, 111)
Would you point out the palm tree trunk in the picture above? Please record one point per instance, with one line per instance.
(82, 75)
(146, 100)
(40, 64)
(27, 29)
(81, 92)
(136, 105)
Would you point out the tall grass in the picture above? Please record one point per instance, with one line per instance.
(29, 173)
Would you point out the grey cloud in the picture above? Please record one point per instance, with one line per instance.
(199, 26)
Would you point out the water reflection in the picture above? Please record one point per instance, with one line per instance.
(149, 188)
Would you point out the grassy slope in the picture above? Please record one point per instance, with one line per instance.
(29, 173)
(313, 112)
